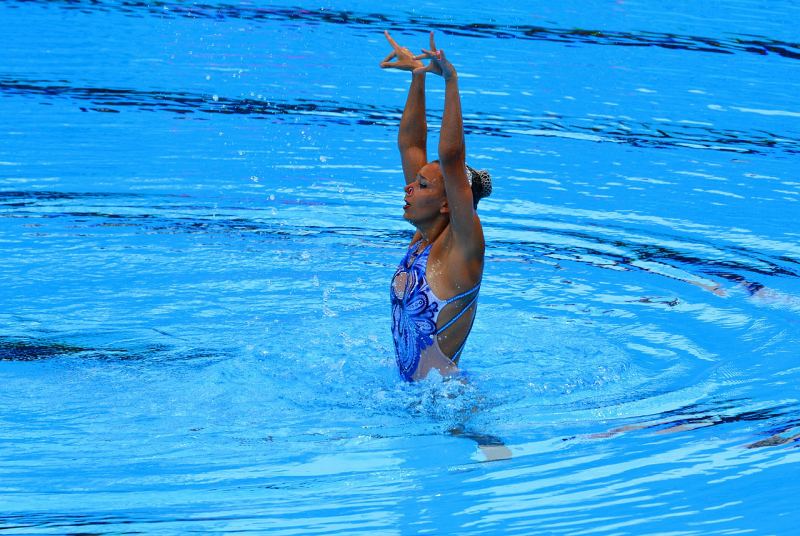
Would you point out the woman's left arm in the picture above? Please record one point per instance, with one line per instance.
(464, 221)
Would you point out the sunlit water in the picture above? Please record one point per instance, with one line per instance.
(200, 212)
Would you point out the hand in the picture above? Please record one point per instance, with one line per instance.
(406, 61)
(439, 64)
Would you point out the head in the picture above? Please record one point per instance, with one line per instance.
(426, 198)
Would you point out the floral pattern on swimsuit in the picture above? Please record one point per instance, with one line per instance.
(413, 314)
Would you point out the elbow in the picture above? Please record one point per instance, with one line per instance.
(451, 152)
(406, 141)
(407, 144)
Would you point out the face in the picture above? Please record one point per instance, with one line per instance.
(425, 197)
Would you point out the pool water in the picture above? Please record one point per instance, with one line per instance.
(200, 213)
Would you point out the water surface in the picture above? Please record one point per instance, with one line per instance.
(200, 212)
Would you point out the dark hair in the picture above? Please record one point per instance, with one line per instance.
(481, 183)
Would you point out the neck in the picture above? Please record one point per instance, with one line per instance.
(431, 231)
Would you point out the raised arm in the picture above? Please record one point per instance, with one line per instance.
(464, 220)
(412, 138)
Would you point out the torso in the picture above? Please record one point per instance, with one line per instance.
(429, 331)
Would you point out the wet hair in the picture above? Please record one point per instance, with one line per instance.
(479, 180)
(481, 183)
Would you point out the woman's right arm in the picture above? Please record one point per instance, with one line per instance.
(412, 137)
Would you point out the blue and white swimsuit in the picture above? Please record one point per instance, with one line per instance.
(415, 312)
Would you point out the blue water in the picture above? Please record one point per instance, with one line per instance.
(200, 212)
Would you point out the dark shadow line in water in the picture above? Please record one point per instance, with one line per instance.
(22, 349)
(677, 259)
(53, 520)
(25, 349)
(307, 112)
(761, 265)
(413, 23)
(148, 520)
(694, 416)
(730, 270)
(41, 520)
(8, 197)
(715, 416)
(225, 226)
(152, 219)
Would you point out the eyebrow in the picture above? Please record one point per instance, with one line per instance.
(421, 176)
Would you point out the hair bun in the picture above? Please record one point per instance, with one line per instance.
(480, 181)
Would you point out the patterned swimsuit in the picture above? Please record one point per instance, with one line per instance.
(415, 311)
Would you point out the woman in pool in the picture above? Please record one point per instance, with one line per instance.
(434, 291)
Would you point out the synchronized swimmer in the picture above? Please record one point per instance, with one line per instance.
(434, 291)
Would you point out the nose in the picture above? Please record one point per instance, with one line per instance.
(409, 189)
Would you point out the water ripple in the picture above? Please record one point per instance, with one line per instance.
(745, 44)
(592, 129)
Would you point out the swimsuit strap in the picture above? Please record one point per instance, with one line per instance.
(460, 313)
(463, 344)
(467, 293)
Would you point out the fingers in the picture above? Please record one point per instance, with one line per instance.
(403, 55)
(432, 54)
(435, 55)
(393, 65)
(391, 41)
(386, 63)
(403, 65)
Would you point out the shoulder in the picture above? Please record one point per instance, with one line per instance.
(462, 245)
(463, 265)
(468, 242)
